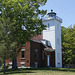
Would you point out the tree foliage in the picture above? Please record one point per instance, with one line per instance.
(68, 43)
(23, 13)
(19, 21)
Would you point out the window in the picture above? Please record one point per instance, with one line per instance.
(36, 53)
(43, 54)
(58, 58)
(23, 45)
(22, 54)
(36, 64)
(48, 25)
(57, 26)
(47, 43)
(58, 41)
(22, 64)
(10, 64)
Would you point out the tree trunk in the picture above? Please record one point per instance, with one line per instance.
(14, 64)
(4, 66)
(14, 61)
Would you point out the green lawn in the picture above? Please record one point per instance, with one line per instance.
(48, 71)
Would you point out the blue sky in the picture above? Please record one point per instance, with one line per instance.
(65, 9)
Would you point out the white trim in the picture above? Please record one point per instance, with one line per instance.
(24, 67)
(22, 62)
(22, 49)
(36, 41)
(22, 58)
(10, 63)
(47, 49)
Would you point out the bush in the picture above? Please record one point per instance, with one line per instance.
(6, 66)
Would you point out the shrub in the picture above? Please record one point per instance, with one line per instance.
(6, 66)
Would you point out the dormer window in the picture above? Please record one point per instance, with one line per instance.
(47, 43)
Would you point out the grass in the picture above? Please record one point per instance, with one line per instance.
(41, 71)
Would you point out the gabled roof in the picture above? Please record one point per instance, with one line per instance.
(38, 39)
(47, 48)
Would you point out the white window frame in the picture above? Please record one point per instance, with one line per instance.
(23, 64)
(10, 64)
(22, 49)
(24, 54)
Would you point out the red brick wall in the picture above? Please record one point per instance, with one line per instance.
(27, 56)
(44, 61)
(41, 62)
(35, 45)
(30, 56)
(7, 61)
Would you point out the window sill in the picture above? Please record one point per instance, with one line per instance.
(23, 58)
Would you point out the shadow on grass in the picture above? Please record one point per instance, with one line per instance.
(18, 72)
(51, 68)
(64, 69)
(10, 71)
(13, 72)
(33, 70)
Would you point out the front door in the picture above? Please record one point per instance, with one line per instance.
(48, 60)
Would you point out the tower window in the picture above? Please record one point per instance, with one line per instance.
(58, 41)
(36, 53)
(48, 25)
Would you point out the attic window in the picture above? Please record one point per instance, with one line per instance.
(47, 43)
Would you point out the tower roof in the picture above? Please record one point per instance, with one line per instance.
(51, 12)
(51, 15)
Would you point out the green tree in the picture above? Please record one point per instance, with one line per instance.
(68, 43)
(20, 20)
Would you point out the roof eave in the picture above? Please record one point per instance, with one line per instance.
(49, 50)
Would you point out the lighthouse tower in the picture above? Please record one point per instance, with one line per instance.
(53, 35)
